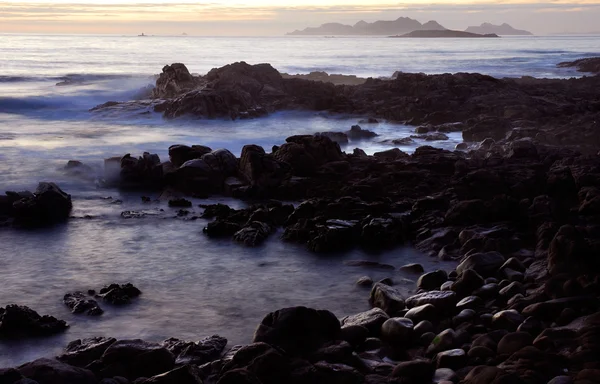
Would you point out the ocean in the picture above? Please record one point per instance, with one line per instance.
(192, 287)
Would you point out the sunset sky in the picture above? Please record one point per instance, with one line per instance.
(262, 17)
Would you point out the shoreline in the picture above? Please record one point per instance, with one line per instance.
(518, 211)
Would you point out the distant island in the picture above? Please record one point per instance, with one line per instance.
(382, 27)
(504, 29)
(445, 33)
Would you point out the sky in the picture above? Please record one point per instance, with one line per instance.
(262, 17)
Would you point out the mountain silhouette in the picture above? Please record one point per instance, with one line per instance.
(381, 27)
(503, 29)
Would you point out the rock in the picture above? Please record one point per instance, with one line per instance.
(261, 170)
(135, 358)
(364, 281)
(397, 331)
(422, 312)
(561, 380)
(239, 376)
(372, 319)
(201, 352)
(444, 341)
(488, 291)
(432, 280)
(415, 371)
(253, 234)
(532, 326)
(465, 316)
(173, 81)
(514, 264)
(10, 375)
(180, 203)
(20, 321)
(512, 289)
(423, 327)
(298, 330)
(453, 359)
(491, 375)
(469, 302)
(485, 264)
(551, 309)
(412, 268)
(119, 294)
(78, 302)
(441, 300)
(357, 133)
(179, 154)
(81, 353)
(338, 137)
(467, 282)
(508, 319)
(479, 352)
(390, 155)
(354, 334)
(47, 371)
(435, 136)
(387, 298)
(514, 342)
(48, 205)
(187, 374)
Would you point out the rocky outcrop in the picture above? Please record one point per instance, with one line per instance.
(46, 206)
(20, 321)
(590, 65)
(174, 80)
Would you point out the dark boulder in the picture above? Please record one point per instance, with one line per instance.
(19, 321)
(202, 352)
(387, 298)
(174, 80)
(81, 353)
(48, 371)
(119, 294)
(48, 205)
(298, 330)
(79, 302)
(133, 359)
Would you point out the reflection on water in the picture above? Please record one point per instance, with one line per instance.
(192, 286)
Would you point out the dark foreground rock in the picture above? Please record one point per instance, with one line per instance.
(20, 321)
(47, 205)
(590, 65)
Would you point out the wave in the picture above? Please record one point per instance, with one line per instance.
(73, 78)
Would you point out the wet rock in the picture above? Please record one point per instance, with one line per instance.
(397, 331)
(467, 282)
(387, 298)
(453, 359)
(415, 371)
(20, 321)
(357, 133)
(79, 302)
(338, 137)
(47, 371)
(298, 330)
(422, 312)
(372, 319)
(187, 374)
(173, 81)
(354, 334)
(485, 264)
(479, 352)
(491, 375)
(412, 268)
(469, 302)
(514, 342)
(423, 327)
(253, 234)
(441, 300)
(435, 136)
(368, 263)
(133, 359)
(201, 352)
(432, 280)
(81, 353)
(261, 170)
(179, 154)
(507, 319)
(48, 205)
(551, 309)
(119, 294)
(364, 281)
(464, 316)
(561, 380)
(180, 203)
(221, 228)
(444, 341)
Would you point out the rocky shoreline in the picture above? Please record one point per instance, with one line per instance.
(517, 208)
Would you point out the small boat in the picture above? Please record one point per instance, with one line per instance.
(142, 35)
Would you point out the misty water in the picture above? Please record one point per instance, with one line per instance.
(192, 286)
